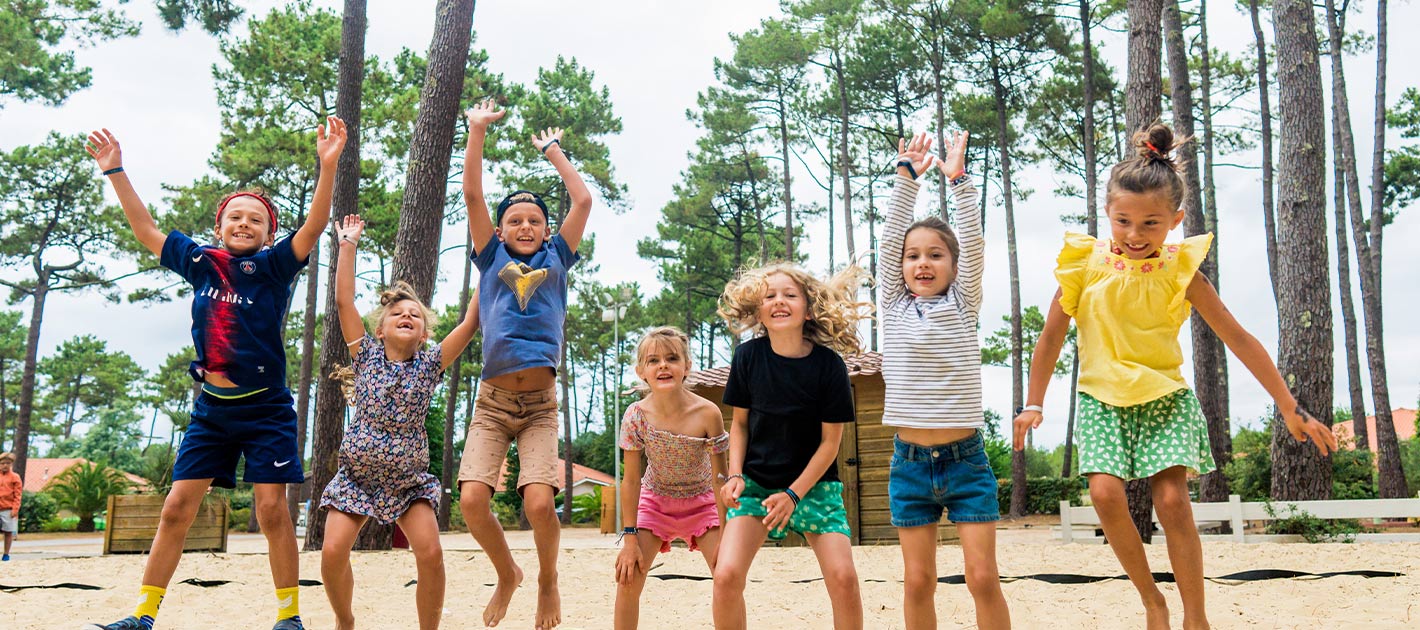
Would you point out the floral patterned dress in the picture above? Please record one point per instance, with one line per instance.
(384, 458)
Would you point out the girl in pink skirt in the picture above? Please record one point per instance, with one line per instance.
(684, 441)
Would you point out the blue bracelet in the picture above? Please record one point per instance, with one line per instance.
(547, 146)
(908, 164)
(792, 495)
(112, 171)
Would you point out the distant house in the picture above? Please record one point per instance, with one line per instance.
(584, 480)
(1404, 428)
(40, 472)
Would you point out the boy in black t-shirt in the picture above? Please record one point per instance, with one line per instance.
(791, 395)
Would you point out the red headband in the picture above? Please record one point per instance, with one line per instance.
(269, 210)
(1153, 148)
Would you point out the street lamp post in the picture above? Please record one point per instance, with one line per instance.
(614, 315)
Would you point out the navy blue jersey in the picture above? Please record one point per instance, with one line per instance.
(239, 308)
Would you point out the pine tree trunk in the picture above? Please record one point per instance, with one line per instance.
(27, 378)
(845, 164)
(563, 376)
(1392, 476)
(421, 213)
(788, 179)
(329, 427)
(1018, 458)
(303, 395)
(1264, 96)
(1091, 160)
(448, 476)
(1143, 88)
(1344, 177)
(940, 112)
(1206, 354)
(1304, 280)
(1065, 467)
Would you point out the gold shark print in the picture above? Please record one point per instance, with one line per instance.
(523, 280)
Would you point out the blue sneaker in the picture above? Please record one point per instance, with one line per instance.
(127, 623)
(6, 558)
(294, 623)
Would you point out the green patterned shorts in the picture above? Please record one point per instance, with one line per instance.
(819, 512)
(1138, 441)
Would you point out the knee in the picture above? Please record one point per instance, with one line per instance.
(334, 554)
(729, 580)
(1108, 496)
(473, 502)
(919, 584)
(539, 508)
(428, 552)
(842, 582)
(1173, 505)
(271, 512)
(982, 580)
(179, 511)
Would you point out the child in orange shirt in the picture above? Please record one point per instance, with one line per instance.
(11, 489)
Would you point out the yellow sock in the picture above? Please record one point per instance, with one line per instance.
(288, 603)
(148, 599)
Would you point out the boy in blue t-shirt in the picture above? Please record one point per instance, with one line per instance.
(522, 300)
(241, 292)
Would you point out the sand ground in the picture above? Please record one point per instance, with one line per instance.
(775, 599)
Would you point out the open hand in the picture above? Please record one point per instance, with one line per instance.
(350, 229)
(1023, 424)
(730, 492)
(330, 141)
(780, 508)
(483, 114)
(917, 151)
(544, 142)
(1304, 427)
(104, 149)
(628, 562)
(954, 164)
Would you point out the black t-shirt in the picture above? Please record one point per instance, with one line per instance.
(788, 400)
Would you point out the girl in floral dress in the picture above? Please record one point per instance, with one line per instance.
(384, 459)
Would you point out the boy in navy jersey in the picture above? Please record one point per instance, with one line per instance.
(241, 292)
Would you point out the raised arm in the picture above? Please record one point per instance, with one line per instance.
(480, 226)
(454, 343)
(330, 142)
(1300, 424)
(103, 146)
(972, 262)
(891, 284)
(575, 222)
(352, 327)
(1042, 368)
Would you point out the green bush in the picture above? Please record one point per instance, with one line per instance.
(1311, 528)
(587, 508)
(35, 510)
(1043, 494)
(61, 524)
(507, 514)
(237, 519)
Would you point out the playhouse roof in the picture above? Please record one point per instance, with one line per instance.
(40, 471)
(865, 364)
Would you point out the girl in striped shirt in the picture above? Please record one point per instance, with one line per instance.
(930, 287)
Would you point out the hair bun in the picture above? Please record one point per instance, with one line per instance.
(1156, 144)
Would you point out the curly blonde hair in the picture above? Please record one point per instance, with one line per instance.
(394, 294)
(833, 305)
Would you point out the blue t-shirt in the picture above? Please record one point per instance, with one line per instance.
(522, 304)
(239, 308)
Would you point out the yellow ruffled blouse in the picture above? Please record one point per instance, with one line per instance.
(1128, 313)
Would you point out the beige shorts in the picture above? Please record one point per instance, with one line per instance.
(501, 416)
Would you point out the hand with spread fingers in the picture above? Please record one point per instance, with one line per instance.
(917, 152)
(104, 149)
(548, 141)
(954, 164)
(483, 114)
(350, 229)
(330, 141)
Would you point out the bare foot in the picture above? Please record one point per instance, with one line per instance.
(1156, 613)
(502, 594)
(549, 602)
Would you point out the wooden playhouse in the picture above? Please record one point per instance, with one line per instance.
(863, 457)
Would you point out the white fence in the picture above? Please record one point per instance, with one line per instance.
(1236, 513)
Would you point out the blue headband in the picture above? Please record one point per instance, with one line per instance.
(521, 196)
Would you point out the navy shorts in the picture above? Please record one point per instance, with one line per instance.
(261, 426)
(956, 477)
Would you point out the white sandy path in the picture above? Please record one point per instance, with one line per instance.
(774, 600)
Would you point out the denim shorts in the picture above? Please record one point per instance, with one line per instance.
(956, 477)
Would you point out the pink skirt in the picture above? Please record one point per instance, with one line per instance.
(670, 518)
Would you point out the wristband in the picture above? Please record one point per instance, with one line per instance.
(727, 478)
(908, 165)
(549, 144)
(114, 170)
(794, 496)
(959, 179)
(629, 531)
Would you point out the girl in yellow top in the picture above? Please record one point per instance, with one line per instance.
(1129, 295)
